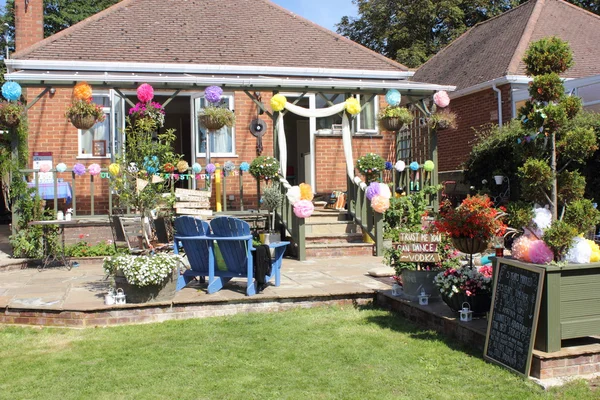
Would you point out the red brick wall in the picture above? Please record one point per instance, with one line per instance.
(474, 111)
(29, 23)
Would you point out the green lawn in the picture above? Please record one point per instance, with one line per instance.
(322, 353)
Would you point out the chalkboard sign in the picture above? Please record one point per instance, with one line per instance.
(513, 318)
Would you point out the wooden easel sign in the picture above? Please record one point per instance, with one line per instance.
(514, 315)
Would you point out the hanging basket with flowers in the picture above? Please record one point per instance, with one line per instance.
(82, 113)
(215, 116)
(11, 113)
(394, 118)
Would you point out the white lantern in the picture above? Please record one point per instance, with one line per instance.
(396, 290)
(109, 298)
(120, 297)
(423, 298)
(466, 314)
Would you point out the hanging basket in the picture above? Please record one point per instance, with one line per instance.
(469, 245)
(83, 121)
(210, 123)
(391, 124)
(9, 120)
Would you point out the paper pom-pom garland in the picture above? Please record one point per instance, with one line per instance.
(384, 190)
(520, 248)
(353, 105)
(293, 194)
(373, 190)
(168, 167)
(400, 166)
(428, 166)
(61, 167)
(540, 253)
(82, 91)
(94, 169)
(145, 93)
(278, 102)
(210, 168)
(244, 167)
(414, 166)
(393, 97)
(229, 166)
(79, 169)
(213, 94)
(441, 99)
(303, 208)
(45, 168)
(380, 204)
(114, 169)
(182, 166)
(306, 192)
(11, 91)
(389, 165)
(197, 168)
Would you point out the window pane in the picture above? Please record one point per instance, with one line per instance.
(327, 122)
(367, 115)
(100, 131)
(221, 141)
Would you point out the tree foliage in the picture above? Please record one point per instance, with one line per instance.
(410, 32)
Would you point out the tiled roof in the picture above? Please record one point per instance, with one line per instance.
(227, 32)
(495, 48)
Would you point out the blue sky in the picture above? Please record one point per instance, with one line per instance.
(323, 12)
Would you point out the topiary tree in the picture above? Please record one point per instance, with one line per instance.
(549, 175)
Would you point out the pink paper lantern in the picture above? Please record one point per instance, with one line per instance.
(441, 99)
(303, 208)
(145, 93)
(380, 204)
(540, 253)
(45, 168)
(94, 169)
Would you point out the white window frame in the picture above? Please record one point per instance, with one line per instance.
(359, 129)
(231, 97)
(108, 115)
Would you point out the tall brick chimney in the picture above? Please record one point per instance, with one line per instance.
(29, 23)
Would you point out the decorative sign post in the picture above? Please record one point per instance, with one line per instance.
(514, 314)
(419, 247)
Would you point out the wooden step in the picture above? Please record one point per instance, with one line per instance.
(338, 250)
(328, 238)
(335, 227)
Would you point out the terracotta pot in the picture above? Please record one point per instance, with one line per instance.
(210, 123)
(469, 245)
(479, 304)
(9, 120)
(83, 121)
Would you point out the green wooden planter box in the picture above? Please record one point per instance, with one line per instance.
(570, 305)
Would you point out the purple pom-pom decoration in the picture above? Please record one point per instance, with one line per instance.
(373, 190)
(540, 253)
(79, 169)
(213, 94)
(210, 168)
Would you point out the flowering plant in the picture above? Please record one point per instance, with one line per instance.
(150, 110)
(264, 167)
(370, 165)
(142, 270)
(467, 280)
(476, 217)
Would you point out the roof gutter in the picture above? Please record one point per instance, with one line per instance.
(499, 94)
(519, 79)
(165, 68)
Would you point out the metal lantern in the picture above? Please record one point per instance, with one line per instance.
(396, 290)
(423, 298)
(120, 297)
(466, 314)
(109, 298)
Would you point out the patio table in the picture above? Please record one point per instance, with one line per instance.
(46, 190)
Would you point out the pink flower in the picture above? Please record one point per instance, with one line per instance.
(441, 99)
(94, 169)
(304, 208)
(145, 93)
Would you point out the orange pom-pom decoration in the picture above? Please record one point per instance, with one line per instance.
(306, 192)
(82, 91)
(380, 204)
(520, 248)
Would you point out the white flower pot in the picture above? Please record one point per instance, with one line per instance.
(499, 179)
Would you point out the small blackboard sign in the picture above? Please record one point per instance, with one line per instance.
(513, 317)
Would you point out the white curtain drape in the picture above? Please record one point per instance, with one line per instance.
(321, 112)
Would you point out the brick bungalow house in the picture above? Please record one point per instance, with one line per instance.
(485, 64)
(251, 48)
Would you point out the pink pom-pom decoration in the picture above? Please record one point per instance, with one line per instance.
(373, 190)
(45, 168)
(520, 248)
(304, 208)
(441, 99)
(94, 169)
(380, 204)
(384, 190)
(540, 253)
(145, 93)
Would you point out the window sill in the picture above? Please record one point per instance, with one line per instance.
(90, 157)
(357, 135)
(217, 155)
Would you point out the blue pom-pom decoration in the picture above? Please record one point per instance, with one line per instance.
(61, 167)
(197, 168)
(393, 97)
(414, 166)
(244, 167)
(11, 91)
(389, 165)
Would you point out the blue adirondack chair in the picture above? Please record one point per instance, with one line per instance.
(192, 234)
(235, 243)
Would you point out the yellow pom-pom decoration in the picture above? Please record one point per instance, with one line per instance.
(182, 166)
(352, 105)
(306, 192)
(114, 169)
(428, 166)
(82, 91)
(278, 102)
(595, 251)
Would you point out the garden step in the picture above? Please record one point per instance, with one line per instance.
(336, 227)
(325, 215)
(324, 250)
(334, 238)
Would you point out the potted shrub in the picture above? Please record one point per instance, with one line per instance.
(84, 114)
(370, 165)
(148, 278)
(443, 119)
(393, 118)
(264, 167)
(271, 200)
(11, 113)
